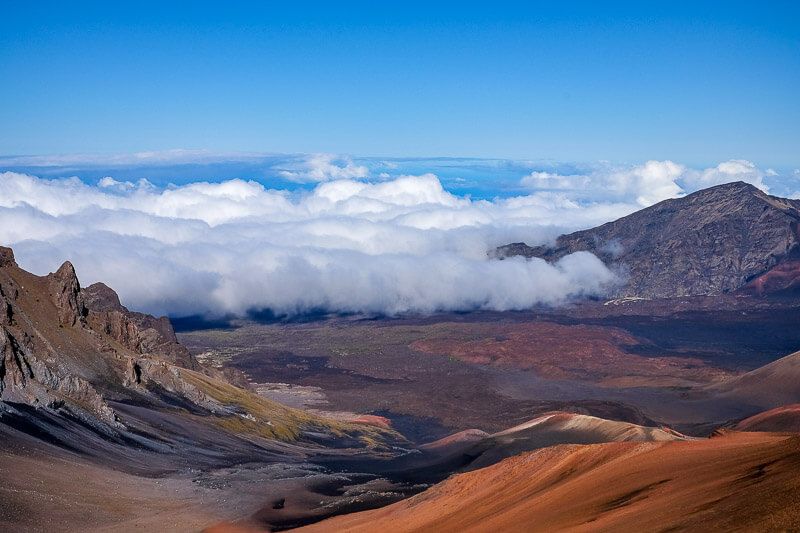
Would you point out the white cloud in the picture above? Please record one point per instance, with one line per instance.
(323, 167)
(646, 184)
(652, 182)
(392, 246)
(163, 157)
(110, 184)
(727, 172)
(553, 181)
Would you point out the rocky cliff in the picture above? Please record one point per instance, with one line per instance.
(713, 241)
(142, 333)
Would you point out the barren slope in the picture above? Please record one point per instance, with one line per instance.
(772, 385)
(781, 419)
(547, 430)
(90, 391)
(745, 481)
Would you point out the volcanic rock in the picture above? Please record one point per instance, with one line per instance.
(7, 257)
(65, 290)
(87, 384)
(142, 333)
(62, 361)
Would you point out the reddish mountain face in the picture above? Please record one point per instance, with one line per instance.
(781, 419)
(738, 481)
(710, 242)
(782, 278)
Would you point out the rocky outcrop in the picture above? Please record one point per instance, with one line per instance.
(6, 309)
(710, 242)
(100, 297)
(139, 332)
(43, 366)
(8, 291)
(65, 291)
(15, 369)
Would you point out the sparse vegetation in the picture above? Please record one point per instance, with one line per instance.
(272, 420)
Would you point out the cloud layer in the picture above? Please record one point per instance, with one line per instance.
(351, 243)
(353, 246)
(648, 183)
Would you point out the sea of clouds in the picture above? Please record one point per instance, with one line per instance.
(350, 242)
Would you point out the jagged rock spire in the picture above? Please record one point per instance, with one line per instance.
(65, 290)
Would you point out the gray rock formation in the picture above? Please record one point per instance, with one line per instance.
(25, 378)
(710, 242)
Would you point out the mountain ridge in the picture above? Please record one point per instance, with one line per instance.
(74, 353)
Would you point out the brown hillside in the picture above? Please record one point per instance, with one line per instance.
(743, 481)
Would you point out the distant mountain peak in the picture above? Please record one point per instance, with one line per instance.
(730, 186)
(712, 241)
(101, 297)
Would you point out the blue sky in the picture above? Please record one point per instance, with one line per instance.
(693, 82)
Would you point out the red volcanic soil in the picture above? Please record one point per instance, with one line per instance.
(462, 438)
(780, 419)
(373, 420)
(784, 276)
(742, 481)
(577, 351)
(550, 429)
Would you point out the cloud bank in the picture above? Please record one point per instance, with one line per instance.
(402, 245)
(648, 183)
(349, 242)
